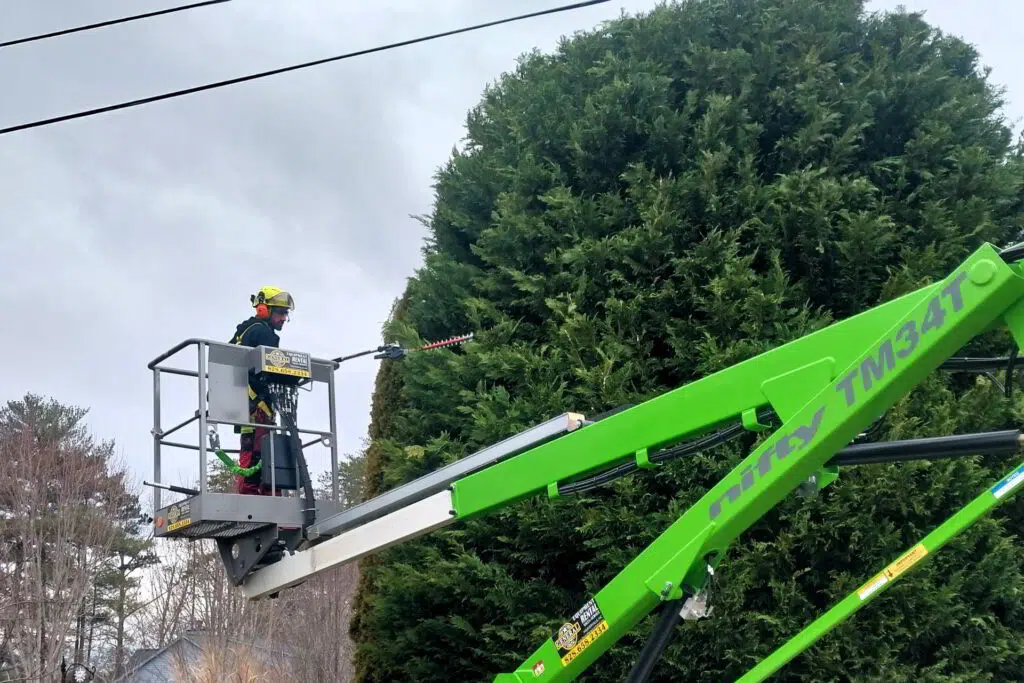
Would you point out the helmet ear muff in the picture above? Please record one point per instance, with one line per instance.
(257, 300)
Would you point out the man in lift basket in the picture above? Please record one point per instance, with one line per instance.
(273, 307)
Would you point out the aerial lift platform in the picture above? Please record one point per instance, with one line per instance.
(250, 530)
(813, 403)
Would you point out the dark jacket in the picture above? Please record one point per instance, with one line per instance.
(255, 332)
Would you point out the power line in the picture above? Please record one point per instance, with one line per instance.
(274, 72)
(110, 22)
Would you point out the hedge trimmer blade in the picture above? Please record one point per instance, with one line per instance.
(453, 341)
(396, 352)
(393, 352)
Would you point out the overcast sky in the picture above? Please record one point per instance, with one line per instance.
(304, 180)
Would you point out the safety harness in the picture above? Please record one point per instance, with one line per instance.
(254, 400)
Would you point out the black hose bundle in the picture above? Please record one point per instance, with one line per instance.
(283, 400)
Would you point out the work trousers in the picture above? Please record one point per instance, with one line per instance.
(249, 455)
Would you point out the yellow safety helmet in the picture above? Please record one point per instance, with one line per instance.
(269, 297)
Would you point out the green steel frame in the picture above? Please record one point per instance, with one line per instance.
(826, 388)
(926, 548)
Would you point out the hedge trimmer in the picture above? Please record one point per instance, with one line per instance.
(226, 459)
(396, 352)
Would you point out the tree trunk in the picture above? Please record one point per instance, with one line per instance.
(119, 645)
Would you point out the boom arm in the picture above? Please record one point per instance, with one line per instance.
(825, 388)
(876, 585)
(834, 388)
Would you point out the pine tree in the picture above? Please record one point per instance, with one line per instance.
(117, 588)
(658, 199)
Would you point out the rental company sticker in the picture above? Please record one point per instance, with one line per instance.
(576, 635)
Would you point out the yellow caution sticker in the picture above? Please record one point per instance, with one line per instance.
(906, 562)
(899, 566)
(872, 586)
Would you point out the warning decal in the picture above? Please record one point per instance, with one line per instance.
(1009, 483)
(906, 562)
(872, 586)
(577, 634)
(890, 573)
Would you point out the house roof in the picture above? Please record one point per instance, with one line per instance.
(141, 655)
(147, 664)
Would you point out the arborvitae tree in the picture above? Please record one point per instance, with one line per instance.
(661, 198)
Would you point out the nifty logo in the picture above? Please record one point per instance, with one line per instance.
(787, 444)
(872, 371)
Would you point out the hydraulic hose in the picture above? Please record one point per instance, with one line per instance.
(237, 469)
(309, 513)
(659, 639)
(684, 449)
(931, 448)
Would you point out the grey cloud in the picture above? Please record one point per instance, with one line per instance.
(127, 232)
(304, 180)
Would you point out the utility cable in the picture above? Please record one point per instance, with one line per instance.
(110, 22)
(294, 67)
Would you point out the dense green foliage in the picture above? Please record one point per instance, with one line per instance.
(663, 197)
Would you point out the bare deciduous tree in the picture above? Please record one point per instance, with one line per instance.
(309, 624)
(190, 592)
(58, 500)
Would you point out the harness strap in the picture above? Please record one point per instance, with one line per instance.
(261, 404)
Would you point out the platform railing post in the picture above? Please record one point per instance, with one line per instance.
(156, 439)
(334, 435)
(273, 442)
(295, 466)
(202, 417)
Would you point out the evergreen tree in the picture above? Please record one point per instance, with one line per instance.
(117, 588)
(351, 480)
(657, 200)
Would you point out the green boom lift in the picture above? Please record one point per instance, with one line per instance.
(813, 400)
